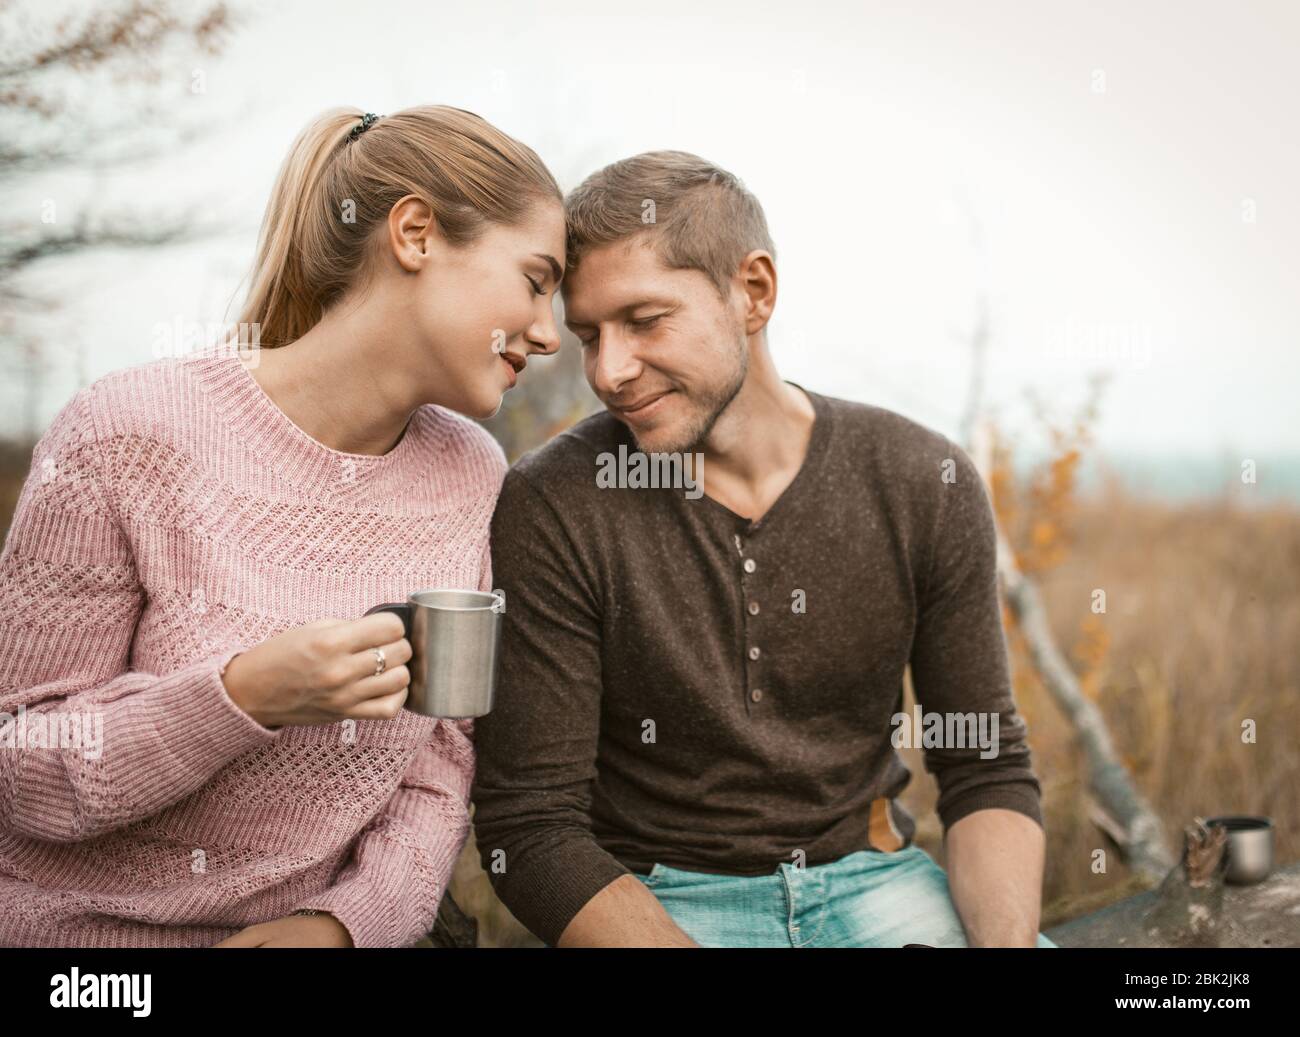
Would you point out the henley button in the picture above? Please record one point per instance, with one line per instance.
(756, 694)
(753, 608)
(750, 565)
(753, 653)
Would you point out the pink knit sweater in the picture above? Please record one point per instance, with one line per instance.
(174, 516)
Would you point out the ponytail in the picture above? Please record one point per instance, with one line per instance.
(334, 189)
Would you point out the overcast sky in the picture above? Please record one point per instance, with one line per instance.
(1133, 167)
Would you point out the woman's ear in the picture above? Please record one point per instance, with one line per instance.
(411, 224)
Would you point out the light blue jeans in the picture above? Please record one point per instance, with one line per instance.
(865, 899)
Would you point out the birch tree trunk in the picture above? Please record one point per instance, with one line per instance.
(1118, 808)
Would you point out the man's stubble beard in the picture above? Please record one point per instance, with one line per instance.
(715, 403)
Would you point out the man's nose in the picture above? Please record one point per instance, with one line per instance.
(616, 365)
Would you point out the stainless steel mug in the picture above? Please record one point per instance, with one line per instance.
(454, 636)
(1249, 848)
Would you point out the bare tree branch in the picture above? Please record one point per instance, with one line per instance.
(105, 35)
(53, 79)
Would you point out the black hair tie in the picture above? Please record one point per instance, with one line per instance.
(368, 120)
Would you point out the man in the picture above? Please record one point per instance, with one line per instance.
(693, 742)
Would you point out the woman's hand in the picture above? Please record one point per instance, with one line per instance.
(323, 672)
(292, 931)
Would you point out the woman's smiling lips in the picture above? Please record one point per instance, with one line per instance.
(514, 365)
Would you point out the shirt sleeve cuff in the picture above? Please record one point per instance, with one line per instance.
(199, 718)
(380, 908)
(545, 894)
(1020, 796)
(361, 907)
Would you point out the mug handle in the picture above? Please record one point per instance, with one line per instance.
(400, 609)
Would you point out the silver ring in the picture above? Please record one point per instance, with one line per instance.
(379, 661)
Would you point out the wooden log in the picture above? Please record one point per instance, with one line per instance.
(1194, 907)
(452, 927)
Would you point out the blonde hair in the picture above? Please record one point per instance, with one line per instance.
(703, 217)
(332, 191)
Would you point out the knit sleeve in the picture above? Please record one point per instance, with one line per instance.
(388, 893)
(485, 567)
(959, 659)
(94, 746)
(538, 747)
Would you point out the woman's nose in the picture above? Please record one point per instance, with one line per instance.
(544, 336)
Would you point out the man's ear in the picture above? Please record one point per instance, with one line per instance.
(757, 277)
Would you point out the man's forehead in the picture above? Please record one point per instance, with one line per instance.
(634, 253)
(618, 279)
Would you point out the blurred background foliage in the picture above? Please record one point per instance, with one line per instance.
(552, 395)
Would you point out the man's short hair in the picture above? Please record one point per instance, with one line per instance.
(695, 215)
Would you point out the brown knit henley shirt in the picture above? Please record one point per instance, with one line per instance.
(681, 685)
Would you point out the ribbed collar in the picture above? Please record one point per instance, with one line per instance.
(305, 461)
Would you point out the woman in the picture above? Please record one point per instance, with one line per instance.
(208, 744)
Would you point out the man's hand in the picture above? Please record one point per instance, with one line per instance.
(995, 877)
(292, 931)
